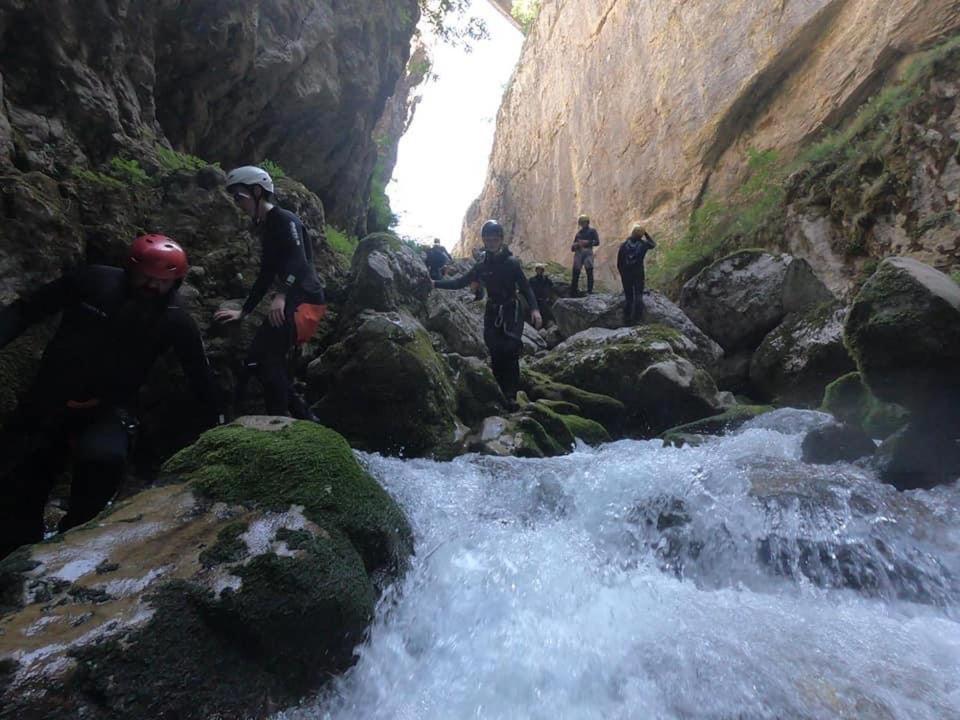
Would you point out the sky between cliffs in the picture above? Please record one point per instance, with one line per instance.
(442, 159)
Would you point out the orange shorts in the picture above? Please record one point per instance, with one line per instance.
(306, 319)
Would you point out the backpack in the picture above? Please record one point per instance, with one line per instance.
(633, 253)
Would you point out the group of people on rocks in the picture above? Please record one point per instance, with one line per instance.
(503, 278)
(115, 324)
(81, 407)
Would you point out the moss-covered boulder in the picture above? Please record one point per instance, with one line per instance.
(602, 409)
(385, 387)
(239, 587)
(903, 331)
(836, 442)
(478, 394)
(921, 455)
(850, 401)
(645, 367)
(798, 359)
(725, 422)
(604, 310)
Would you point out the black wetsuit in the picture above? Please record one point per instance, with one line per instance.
(501, 275)
(584, 242)
(437, 258)
(82, 404)
(543, 290)
(630, 259)
(287, 264)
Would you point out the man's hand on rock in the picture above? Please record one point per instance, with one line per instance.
(537, 319)
(227, 316)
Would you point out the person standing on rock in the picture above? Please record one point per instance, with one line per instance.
(585, 241)
(297, 305)
(437, 258)
(502, 276)
(81, 405)
(630, 259)
(543, 290)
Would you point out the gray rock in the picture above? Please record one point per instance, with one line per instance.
(802, 289)
(386, 276)
(903, 331)
(836, 443)
(738, 299)
(804, 354)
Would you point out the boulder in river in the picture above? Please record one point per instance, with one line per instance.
(644, 367)
(801, 356)
(242, 585)
(386, 388)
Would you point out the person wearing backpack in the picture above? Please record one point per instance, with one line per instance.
(630, 266)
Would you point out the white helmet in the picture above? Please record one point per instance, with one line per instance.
(250, 175)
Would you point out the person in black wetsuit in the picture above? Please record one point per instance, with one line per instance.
(544, 291)
(297, 305)
(437, 258)
(502, 276)
(81, 406)
(630, 259)
(584, 242)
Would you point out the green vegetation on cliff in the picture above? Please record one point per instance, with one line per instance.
(855, 173)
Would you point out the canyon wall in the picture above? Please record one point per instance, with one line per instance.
(636, 109)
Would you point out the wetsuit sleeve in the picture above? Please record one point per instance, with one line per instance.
(524, 286)
(594, 238)
(48, 300)
(620, 253)
(458, 282)
(650, 243)
(188, 346)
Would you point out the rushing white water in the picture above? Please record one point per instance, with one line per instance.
(634, 581)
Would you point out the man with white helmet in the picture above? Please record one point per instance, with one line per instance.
(297, 305)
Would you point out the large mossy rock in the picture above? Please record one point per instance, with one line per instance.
(385, 387)
(240, 587)
(604, 310)
(799, 358)
(727, 421)
(852, 403)
(645, 367)
(602, 409)
(478, 394)
(903, 331)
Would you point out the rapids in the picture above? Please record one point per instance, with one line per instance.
(724, 581)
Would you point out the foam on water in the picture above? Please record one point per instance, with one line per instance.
(635, 581)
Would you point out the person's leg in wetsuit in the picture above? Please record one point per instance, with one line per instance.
(267, 361)
(575, 277)
(502, 338)
(627, 279)
(588, 266)
(101, 444)
(27, 484)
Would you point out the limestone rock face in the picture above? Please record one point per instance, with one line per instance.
(243, 584)
(630, 109)
(301, 82)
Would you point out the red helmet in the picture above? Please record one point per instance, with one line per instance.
(157, 256)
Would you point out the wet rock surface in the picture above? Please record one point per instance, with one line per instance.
(241, 585)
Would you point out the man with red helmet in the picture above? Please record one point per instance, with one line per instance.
(81, 406)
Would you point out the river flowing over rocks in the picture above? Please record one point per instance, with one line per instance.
(725, 580)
